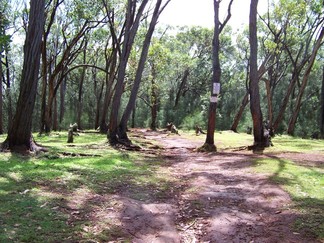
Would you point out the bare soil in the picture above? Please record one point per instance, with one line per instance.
(212, 197)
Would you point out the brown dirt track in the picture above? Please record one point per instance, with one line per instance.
(218, 198)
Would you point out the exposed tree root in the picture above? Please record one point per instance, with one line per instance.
(79, 154)
(207, 148)
(257, 148)
(32, 146)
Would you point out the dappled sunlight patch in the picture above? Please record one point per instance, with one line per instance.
(79, 197)
(305, 185)
(15, 176)
(45, 195)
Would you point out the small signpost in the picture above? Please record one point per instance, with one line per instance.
(216, 91)
(216, 88)
(213, 99)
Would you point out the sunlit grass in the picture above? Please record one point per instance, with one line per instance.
(305, 185)
(223, 139)
(285, 143)
(36, 189)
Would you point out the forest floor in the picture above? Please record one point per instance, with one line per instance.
(212, 197)
(166, 192)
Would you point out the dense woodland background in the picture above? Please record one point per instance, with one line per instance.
(82, 53)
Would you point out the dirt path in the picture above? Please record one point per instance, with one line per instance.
(219, 199)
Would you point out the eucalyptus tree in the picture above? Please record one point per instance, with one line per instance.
(159, 7)
(300, 27)
(19, 134)
(321, 124)
(293, 118)
(7, 20)
(4, 40)
(67, 28)
(179, 68)
(258, 129)
(216, 79)
(158, 64)
(133, 17)
(116, 24)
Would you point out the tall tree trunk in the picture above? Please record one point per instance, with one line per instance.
(284, 103)
(131, 28)
(1, 99)
(62, 99)
(80, 103)
(154, 105)
(49, 107)
(182, 85)
(110, 78)
(216, 78)
(133, 117)
(43, 93)
(261, 71)
(98, 106)
(254, 80)
(269, 101)
(19, 134)
(293, 119)
(8, 92)
(322, 108)
(55, 115)
(239, 114)
(146, 44)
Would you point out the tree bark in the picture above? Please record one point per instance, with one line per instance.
(1, 100)
(322, 108)
(254, 80)
(239, 114)
(215, 79)
(60, 70)
(82, 78)
(62, 99)
(111, 64)
(269, 101)
(261, 71)
(131, 28)
(55, 115)
(138, 77)
(19, 134)
(8, 92)
(44, 90)
(154, 100)
(182, 85)
(293, 119)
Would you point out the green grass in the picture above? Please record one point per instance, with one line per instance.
(305, 185)
(223, 139)
(293, 144)
(36, 192)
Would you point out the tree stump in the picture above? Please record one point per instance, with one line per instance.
(172, 128)
(70, 136)
(199, 130)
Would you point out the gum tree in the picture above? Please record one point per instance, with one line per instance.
(19, 135)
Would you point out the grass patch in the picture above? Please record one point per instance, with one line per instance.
(299, 145)
(306, 188)
(49, 197)
(223, 139)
